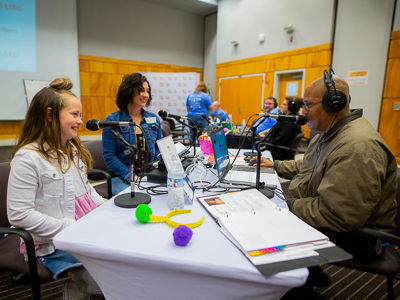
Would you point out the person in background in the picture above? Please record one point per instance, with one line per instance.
(134, 95)
(285, 131)
(217, 110)
(348, 176)
(270, 106)
(48, 189)
(197, 104)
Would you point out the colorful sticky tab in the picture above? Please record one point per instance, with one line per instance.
(266, 250)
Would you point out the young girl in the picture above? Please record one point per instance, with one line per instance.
(48, 188)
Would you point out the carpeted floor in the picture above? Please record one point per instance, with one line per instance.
(347, 284)
(352, 284)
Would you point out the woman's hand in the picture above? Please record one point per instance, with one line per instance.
(265, 162)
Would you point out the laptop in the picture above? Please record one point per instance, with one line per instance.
(238, 174)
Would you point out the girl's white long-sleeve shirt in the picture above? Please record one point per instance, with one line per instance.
(41, 199)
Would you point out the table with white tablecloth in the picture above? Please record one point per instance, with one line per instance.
(131, 260)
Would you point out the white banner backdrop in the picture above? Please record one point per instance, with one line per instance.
(170, 91)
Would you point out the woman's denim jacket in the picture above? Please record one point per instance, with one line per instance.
(113, 150)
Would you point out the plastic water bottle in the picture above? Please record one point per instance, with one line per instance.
(243, 125)
(175, 184)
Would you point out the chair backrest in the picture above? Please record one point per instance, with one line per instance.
(96, 150)
(171, 123)
(296, 140)
(4, 173)
(165, 130)
(165, 122)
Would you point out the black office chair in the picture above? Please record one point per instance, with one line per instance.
(176, 131)
(389, 263)
(10, 257)
(166, 131)
(100, 171)
(283, 152)
(306, 141)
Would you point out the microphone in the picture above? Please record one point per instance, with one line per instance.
(298, 119)
(94, 124)
(207, 119)
(164, 114)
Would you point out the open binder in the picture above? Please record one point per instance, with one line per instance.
(271, 237)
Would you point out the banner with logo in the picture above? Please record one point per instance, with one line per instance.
(170, 91)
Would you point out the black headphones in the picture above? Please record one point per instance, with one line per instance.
(292, 104)
(334, 100)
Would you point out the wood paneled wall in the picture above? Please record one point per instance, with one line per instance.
(100, 78)
(389, 125)
(314, 59)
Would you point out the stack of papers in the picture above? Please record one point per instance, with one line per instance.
(253, 223)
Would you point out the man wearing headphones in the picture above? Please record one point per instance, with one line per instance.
(348, 176)
(270, 106)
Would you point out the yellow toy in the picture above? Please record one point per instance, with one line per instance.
(144, 214)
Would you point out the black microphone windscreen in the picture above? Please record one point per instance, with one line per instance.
(302, 120)
(92, 125)
(162, 113)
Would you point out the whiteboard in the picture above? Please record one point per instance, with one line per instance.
(34, 86)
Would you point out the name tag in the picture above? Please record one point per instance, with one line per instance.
(151, 120)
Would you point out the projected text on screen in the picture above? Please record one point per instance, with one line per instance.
(18, 35)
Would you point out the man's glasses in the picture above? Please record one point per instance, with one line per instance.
(308, 105)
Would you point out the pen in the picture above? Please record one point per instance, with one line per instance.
(266, 250)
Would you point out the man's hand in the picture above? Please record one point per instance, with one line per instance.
(265, 162)
(263, 133)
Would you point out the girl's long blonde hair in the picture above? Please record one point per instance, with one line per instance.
(37, 128)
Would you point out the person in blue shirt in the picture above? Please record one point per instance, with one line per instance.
(134, 95)
(270, 106)
(197, 104)
(217, 110)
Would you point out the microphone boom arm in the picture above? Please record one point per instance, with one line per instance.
(253, 129)
(195, 133)
(260, 147)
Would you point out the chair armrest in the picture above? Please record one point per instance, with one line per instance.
(182, 140)
(95, 174)
(387, 237)
(30, 251)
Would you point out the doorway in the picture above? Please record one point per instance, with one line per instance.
(289, 83)
(241, 96)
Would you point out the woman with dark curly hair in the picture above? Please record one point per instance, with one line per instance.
(134, 94)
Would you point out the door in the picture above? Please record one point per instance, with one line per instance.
(229, 97)
(241, 97)
(290, 85)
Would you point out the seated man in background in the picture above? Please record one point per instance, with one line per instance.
(347, 178)
(270, 106)
(217, 110)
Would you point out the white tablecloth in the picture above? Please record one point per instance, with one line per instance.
(130, 260)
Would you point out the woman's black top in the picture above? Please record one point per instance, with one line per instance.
(284, 133)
